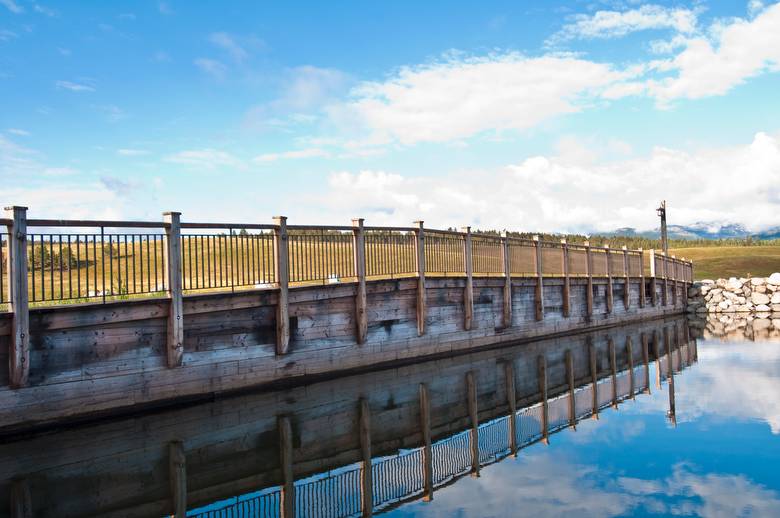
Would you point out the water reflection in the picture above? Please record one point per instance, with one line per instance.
(439, 431)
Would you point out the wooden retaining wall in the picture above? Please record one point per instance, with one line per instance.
(231, 446)
(89, 360)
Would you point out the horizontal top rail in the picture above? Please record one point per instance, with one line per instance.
(6, 222)
(390, 229)
(247, 226)
(338, 228)
(94, 223)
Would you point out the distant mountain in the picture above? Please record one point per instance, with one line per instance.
(699, 230)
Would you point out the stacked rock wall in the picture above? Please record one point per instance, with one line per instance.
(751, 295)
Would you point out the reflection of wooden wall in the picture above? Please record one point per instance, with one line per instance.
(100, 358)
(122, 468)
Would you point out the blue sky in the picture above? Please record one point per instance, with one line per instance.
(563, 116)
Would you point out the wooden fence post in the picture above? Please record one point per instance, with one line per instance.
(177, 474)
(542, 362)
(468, 293)
(664, 273)
(674, 281)
(19, 350)
(419, 246)
(471, 395)
(626, 280)
(613, 370)
(594, 375)
(539, 279)
(653, 281)
(511, 400)
(507, 279)
(359, 247)
(609, 280)
(566, 283)
(589, 272)
(642, 286)
(287, 500)
(282, 266)
(570, 379)
(425, 421)
(175, 345)
(366, 483)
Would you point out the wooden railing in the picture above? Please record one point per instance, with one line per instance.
(72, 261)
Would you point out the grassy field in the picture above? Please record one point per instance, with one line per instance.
(731, 261)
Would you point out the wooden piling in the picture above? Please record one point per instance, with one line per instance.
(468, 294)
(419, 247)
(570, 379)
(610, 300)
(594, 375)
(511, 400)
(542, 363)
(664, 274)
(630, 354)
(287, 500)
(626, 280)
(653, 280)
(359, 247)
(471, 394)
(366, 482)
(589, 272)
(539, 293)
(613, 369)
(642, 287)
(177, 473)
(657, 354)
(566, 280)
(281, 263)
(645, 360)
(425, 423)
(175, 340)
(20, 499)
(506, 258)
(19, 348)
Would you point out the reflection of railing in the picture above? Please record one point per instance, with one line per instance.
(400, 477)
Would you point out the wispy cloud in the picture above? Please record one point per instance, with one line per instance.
(205, 159)
(12, 6)
(19, 132)
(228, 43)
(42, 9)
(6, 35)
(73, 86)
(111, 112)
(131, 152)
(164, 8)
(615, 24)
(211, 67)
(291, 155)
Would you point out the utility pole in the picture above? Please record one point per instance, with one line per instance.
(661, 211)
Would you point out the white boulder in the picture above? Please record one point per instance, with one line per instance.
(757, 281)
(759, 298)
(774, 279)
(762, 308)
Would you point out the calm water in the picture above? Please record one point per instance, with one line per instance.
(710, 450)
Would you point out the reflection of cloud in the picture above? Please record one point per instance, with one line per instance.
(709, 495)
(740, 380)
(551, 484)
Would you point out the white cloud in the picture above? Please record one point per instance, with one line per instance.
(164, 8)
(112, 113)
(74, 87)
(205, 159)
(6, 35)
(12, 6)
(212, 67)
(557, 193)
(297, 154)
(614, 24)
(459, 98)
(19, 132)
(228, 43)
(131, 152)
(44, 10)
(736, 50)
